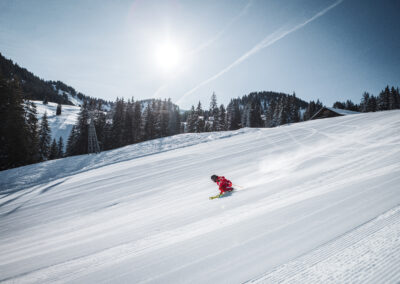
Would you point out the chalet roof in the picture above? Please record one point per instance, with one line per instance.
(336, 110)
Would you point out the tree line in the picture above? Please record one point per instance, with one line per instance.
(129, 122)
(133, 121)
(388, 99)
(24, 140)
(261, 109)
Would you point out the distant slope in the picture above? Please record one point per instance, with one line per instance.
(320, 203)
(60, 125)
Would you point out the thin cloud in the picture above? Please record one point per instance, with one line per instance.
(222, 31)
(269, 40)
(211, 40)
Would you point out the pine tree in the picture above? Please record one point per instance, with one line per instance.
(235, 122)
(107, 139)
(246, 115)
(191, 121)
(178, 120)
(72, 142)
(351, 106)
(222, 120)
(118, 124)
(58, 111)
(44, 138)
(213, 112)
(255, 113)
(128, 131)
(383, 101)
(137, 122)
(294, 107)
(53, 153)
(82, 131)
(397, 97)
(397, 94)
(393, 100)
(372, 104)
(33, 129)
(164, 119)
(269, 116)
(230, 115)
(149, 123)
(60, 148)
(207, 126)
(174, 121)
(100, 121)
(14, 131)
(199, 123)
(156, 107)
(277, 117)
(364, 105)
(284, 111)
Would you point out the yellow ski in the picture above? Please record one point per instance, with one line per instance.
(216, 196)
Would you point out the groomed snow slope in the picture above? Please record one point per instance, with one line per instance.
(320, 203)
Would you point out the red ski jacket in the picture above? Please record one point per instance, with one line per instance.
(224, 184)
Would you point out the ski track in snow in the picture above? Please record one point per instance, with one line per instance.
(320, 203)
(367, 254)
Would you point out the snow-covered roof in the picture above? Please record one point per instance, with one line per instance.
(342, 111)
(336, 110)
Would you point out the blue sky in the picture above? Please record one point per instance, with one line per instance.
(321, 49)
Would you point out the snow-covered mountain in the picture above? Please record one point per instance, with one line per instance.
(60, 125)
(319, 202)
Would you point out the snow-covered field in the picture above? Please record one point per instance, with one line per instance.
(320, 203)
(60, 125)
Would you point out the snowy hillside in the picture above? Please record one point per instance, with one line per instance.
(60, 125)
(76, 101)
(320, 203)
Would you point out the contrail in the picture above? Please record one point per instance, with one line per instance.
(269, 40)
(211, 40)
(221, 32)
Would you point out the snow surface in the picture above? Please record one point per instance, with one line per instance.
(60, 125)
(320, 203)
(76, 101)
(73, 99)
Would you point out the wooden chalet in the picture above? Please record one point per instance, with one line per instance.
(326, 112)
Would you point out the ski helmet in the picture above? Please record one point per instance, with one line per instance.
(214, 178)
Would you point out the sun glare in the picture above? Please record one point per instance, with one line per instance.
(167, 56)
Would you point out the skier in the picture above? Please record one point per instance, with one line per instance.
(224, 184)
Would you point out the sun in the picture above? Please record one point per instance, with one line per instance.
(167, 56)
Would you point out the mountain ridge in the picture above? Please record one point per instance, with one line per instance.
(35, 88)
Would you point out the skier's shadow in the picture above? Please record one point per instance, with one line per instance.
(229, 193)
